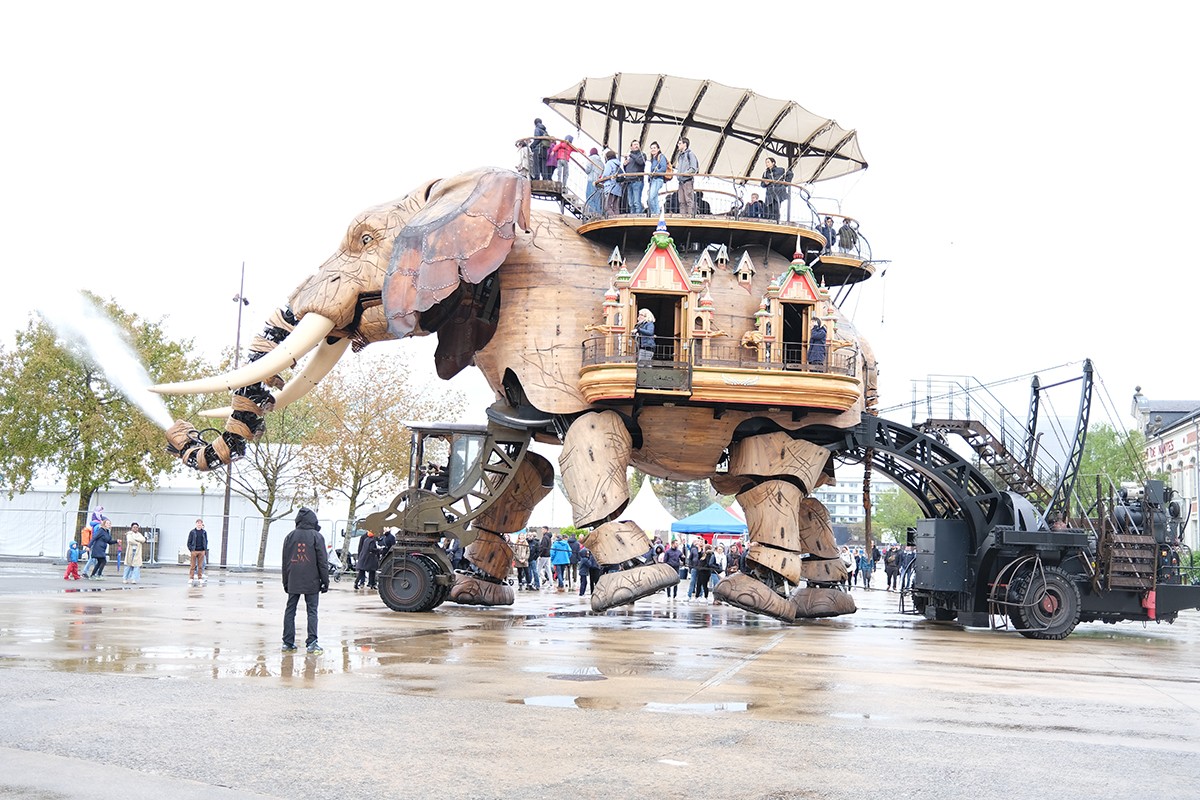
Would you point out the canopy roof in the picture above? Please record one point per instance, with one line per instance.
(554, 511)
(713, 519)
(731, 131)
(648, 511)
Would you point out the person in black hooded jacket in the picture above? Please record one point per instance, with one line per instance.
(305, 572)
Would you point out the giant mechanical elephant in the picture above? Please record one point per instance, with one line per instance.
(515, 293)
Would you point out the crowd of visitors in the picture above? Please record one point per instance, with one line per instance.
(897, 562)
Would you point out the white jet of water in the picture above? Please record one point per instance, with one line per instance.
(78, 320)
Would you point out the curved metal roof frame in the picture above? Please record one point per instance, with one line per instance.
(732, 131)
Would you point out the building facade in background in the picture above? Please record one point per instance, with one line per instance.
(1172, 431)
(845, 501)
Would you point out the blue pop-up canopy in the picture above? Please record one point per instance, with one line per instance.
(713, 519)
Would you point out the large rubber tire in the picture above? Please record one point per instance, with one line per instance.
(406, 584)
(1051, 608)
(440, 596)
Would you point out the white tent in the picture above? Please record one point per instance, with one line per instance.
(554, 511)
(648, 511)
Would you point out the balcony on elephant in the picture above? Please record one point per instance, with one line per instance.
(732, 329)
(729, 209)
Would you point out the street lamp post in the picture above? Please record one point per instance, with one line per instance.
(241, 301)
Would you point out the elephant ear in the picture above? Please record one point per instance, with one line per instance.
(463, 234)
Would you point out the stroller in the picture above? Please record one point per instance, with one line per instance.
(336, 569)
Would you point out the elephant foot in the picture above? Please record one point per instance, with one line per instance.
(621, 588)
(471, 591)
(743, 591)
(811, 602)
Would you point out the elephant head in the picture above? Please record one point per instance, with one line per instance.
(405, 268)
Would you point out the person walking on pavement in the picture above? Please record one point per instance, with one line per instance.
(197, 545)
(544, 555)
(88, 532)
(101, 539)
(589, 568)
(560, 559)
(573, 543)
(72, 572)
(133, 556)
(534, 581)
(673, 558)
(521, 561)
(305, 574)
(367, 561)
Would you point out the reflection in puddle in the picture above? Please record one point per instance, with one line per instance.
(695, 708)
(582, 674)
(552, 700)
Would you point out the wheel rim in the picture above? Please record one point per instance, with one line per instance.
(408, 584)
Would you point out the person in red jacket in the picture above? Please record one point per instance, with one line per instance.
(561, 153)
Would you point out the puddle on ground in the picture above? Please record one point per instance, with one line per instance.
(696, 708)
(551, 700)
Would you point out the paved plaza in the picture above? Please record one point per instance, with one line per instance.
(166, 690)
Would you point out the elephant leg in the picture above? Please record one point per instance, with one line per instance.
(489, 558)
(619, 548)
(485, 581)
(595, 457)
(791, 542)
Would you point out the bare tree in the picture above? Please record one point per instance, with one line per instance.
(272, 475)
(359, 447)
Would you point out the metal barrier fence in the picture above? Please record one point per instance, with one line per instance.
(46, 533)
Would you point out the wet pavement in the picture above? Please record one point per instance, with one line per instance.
(110, 690)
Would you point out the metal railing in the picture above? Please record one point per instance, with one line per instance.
(45, 533)
(717, 196)
(965, 398)
(724, 353)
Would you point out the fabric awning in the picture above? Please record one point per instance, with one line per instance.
(731, 130)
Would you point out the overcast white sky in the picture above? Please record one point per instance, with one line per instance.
(1032, 179)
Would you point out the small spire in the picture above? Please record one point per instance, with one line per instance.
(722, 255)
(615, 259)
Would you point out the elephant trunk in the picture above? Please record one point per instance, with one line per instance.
(249, 405)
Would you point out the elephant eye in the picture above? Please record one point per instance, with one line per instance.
(366, 239)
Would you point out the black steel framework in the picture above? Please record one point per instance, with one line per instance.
(1060, 501)
(942, 482)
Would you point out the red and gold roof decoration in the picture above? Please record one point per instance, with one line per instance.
(660, 269)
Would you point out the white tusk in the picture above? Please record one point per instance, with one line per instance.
(311, 329)
(315, 369)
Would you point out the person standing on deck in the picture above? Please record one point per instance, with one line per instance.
(611, 184)
(594, 193)
(656, 166)
(538, 148)
(847, 237)
(828, 232)
(634, 166)
(562, 150)
(686, 167)
(776, 192)
(644, 331)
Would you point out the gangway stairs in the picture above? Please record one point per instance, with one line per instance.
(991, 451)
(558, 193)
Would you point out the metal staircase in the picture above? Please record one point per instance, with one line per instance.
(558, 193)
(991, 451)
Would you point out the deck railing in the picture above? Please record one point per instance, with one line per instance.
(724, 353)
(718, 196)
